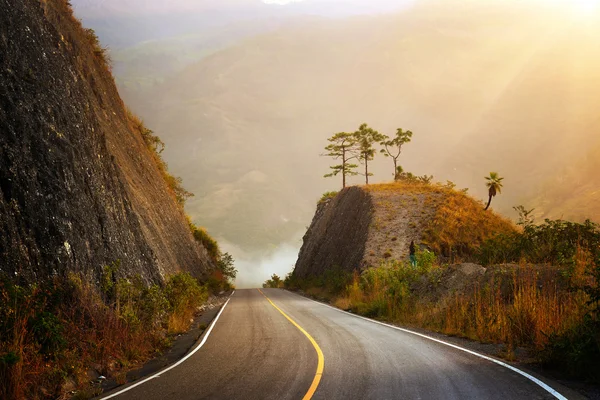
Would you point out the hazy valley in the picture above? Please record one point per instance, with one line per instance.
(245, 124)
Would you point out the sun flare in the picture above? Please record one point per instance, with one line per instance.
(582, 8)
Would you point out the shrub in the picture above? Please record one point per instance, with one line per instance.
(222, 278)
(226, 266)
(425, 260)
(275, 282)
(553, 242)
(207, 241)
(183, 291)
(56, 330)
(327, 196)
(100, 52)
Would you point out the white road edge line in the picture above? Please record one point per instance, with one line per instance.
(191, 353)
(518, 371)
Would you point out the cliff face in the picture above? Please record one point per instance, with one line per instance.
(365, 226)
(337, 235)
(78, 187)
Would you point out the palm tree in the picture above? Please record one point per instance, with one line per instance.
(494, 184)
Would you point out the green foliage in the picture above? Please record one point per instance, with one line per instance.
(207, 241)
(275, 282)
(333, 281)
(291, 282)
(553, 242)
(365, 138)
(48, 332)
(108, 280)
(226, 266)
(425, 260)
(183, 291)
(154, 306)
(409, 177)
(221, 280)
(326, 196)
(569, 245)
(336, 279)
(387, 289)
(9, 359)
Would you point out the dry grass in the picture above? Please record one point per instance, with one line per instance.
(519, 306)
(447, 221)
(460, 225)
(54, 333)
(525, 316)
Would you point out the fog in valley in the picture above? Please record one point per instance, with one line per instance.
(245, 95)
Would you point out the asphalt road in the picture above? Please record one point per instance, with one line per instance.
(255, 352)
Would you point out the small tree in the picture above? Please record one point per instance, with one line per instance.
(525, 216)
(365, 138)
(342, 146)
(393, 147)
(226, 266)
(275, 282)
(494, 184)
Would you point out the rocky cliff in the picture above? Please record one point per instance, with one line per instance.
(79, 189)
(365, 226)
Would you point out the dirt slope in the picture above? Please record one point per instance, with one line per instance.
(79, 188)
(363, 226)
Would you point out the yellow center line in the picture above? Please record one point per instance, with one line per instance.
(320, 363)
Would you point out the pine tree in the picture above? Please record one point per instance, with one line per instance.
(365, 138)
(342, 147)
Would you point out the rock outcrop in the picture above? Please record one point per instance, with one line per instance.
(367, 225)
(79, 189)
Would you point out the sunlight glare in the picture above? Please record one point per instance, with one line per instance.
(582, 8)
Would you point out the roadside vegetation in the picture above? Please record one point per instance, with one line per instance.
(327, 196)
(57, 336)
(540, 291)
(275, 282)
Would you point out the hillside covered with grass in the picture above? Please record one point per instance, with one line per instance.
(363, 226)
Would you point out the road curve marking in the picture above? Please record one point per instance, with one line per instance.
(191, 353)
(321, 359)
(535, 380)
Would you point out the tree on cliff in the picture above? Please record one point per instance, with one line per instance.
(343, 146)
(393, 148)
(494, 184)
(365, 138)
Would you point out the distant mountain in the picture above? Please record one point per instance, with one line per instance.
(125, 23)
(483, 86)
(574, 192)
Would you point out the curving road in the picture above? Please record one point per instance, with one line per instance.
(255, 352)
